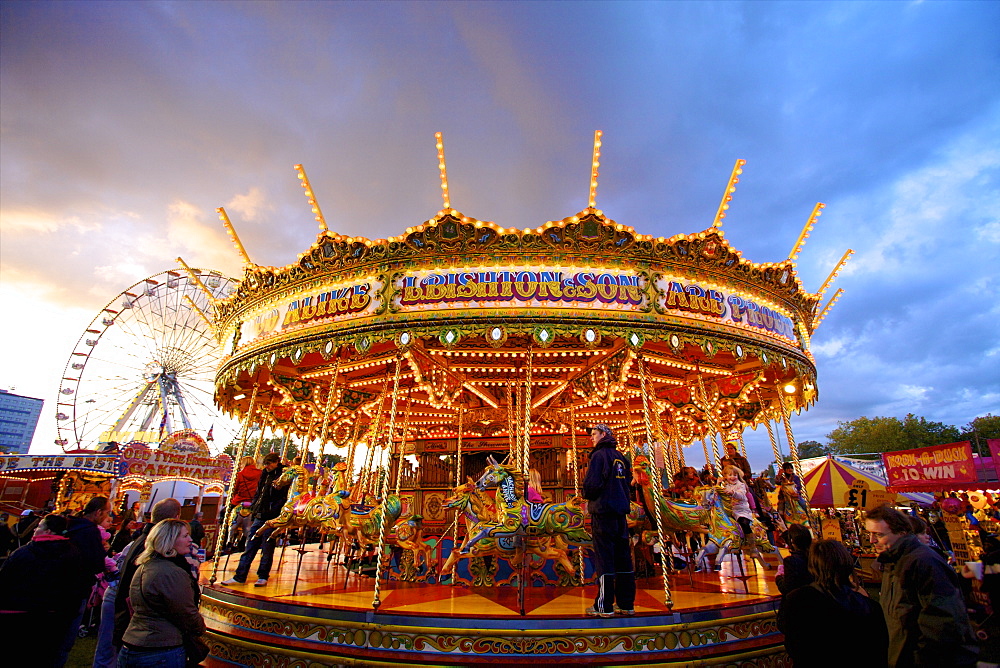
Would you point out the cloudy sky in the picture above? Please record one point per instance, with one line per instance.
(124, 125)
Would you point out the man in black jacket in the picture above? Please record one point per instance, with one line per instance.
(607, 486)
(267, 503)
(924, 609)
(84, 533)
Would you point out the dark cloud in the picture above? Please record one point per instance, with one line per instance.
(125, 124)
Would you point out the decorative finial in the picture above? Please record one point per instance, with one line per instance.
(734, 178)
(594, 167)
(312, 199)
(224, 217)
(197, 281)
(826, 309)
(833, 274)
(442, 167)
(198, 310)
(801, 241)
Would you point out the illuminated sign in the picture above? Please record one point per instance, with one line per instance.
(485, 288)
(726, 306)
(337, 301)
(94, 463)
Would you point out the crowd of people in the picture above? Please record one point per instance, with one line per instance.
(138, 576)
(921, 617)
(137, 586)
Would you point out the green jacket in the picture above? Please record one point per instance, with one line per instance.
(924, 609)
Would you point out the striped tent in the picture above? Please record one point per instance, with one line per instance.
(835, 484)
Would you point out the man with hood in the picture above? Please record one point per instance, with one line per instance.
(267, 503)
(608, 489)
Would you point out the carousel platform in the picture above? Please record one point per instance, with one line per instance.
(328, 620)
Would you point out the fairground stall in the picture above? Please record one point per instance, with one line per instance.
(124, 474)
(839, 494)
(182, 457)
(55, 482)
(462, 356)
(965, 486)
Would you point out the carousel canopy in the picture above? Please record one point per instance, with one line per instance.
(480, 327)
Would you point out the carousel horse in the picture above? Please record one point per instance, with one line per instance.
(332, 512)
(791, 505)
(475, 508)
(410, 536)
(363, 521)
(676, 516)
(725, 532)
(709, 517)
(303, 508)
(516, 515)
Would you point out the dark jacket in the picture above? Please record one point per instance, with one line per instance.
(268, 500)
(87, 538)
(606, 485)
(197, 532)
(165, 605)
(796, 573)
(128, 569)
(924, 609)
(740, 462)
(45, 576)
(821, 630)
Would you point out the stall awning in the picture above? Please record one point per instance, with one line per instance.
(836, 484)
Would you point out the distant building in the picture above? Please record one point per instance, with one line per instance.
(18, 419)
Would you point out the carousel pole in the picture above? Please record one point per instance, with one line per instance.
(284, 445)
(260, 442)
(324, 426)
(526, 443)
(575, 465)
(704, 447)
(668, 462)
(458, 483)
(382, 488)
(792, 449)
(402, 447)
(510, 423)
(743, 446)
(232, 481)
(657, 486)
(770, 434)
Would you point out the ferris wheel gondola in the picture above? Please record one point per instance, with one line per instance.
(144, 366)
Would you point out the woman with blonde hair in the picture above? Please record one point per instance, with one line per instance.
(166, 626)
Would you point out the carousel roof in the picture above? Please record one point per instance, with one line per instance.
(577, 319)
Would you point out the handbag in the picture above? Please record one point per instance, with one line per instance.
(196, 649)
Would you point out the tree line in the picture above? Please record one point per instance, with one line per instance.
(886, 434)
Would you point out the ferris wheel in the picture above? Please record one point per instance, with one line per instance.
(145, 366)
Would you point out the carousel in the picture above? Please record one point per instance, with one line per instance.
(455, 369)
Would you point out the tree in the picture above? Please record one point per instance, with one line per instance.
(809, 449)
(863, 434)
(919, 433)
(276, 444)
(885, 434)
(980, 430)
